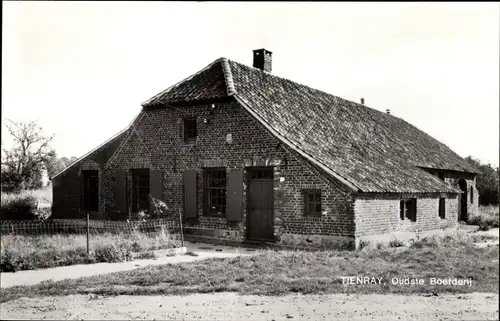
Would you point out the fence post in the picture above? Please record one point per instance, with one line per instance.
(88, 232)
(182, 232)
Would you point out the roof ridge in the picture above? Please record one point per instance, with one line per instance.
(228, 77)
(150, 100)
(309, 87)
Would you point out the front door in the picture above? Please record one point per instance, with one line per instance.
(260, 225)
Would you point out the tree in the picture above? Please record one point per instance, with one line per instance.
(24, 162)
(56, 164)
(487, 182)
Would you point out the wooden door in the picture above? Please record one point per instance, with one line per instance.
(260, 209)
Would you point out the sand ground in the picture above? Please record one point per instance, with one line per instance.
(231, 306)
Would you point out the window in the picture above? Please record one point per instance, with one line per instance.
(90, 190)
(140, 190)
(471, 195)
(190, 132)
(312, 202)
(408, 209)
(442, 210)
(215, 192)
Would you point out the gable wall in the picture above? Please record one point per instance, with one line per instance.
(155, 140)
(66, 187)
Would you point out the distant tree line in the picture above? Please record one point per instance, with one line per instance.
(487, 182)
(30, 156)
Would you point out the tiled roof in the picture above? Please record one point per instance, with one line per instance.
(369, 150)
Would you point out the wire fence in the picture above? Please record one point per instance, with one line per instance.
(144, 234)
(82, 226)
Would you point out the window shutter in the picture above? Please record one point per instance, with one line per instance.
(155, 187)
(121, 191)
(414, 209)
(190, 199)
(441, 208)
(235, 196)
(402, 209)
(181, 130)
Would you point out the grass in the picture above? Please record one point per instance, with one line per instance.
(282, 272)
(487, 217)
(20, 252)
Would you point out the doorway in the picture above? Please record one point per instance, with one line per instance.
(260, 208)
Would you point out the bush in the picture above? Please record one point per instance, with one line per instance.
(363, 244)
(24, 205)
(396, 243)
(20, 207)
(111, 253)
(488, 217)
(425, 242)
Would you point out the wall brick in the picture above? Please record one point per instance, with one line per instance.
(155, 143)
(381, 214)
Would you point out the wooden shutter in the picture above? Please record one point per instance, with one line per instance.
(155, 187)
(181, 130)
(441, 208)
(402, 209)
(235, 196)
(413, 207)
(121, 191)
(190, 199)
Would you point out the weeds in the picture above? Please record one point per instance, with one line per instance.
(396, 243)
(487, 217)
(363, 244)
(280, 272)
(32, 252)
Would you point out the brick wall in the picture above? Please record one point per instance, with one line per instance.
(453, 178)
(66, 187)
(380, 214)
(155, 142)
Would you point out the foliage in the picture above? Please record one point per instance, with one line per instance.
(488, 217)
(24, 205)
(396, 243)
(23, 164)
(487, 182)
(56, 164)
(20, 252)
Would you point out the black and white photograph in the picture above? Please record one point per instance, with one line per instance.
(262, 161)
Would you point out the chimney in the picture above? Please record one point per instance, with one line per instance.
(362, 101)
(263, 59)
(388, 111)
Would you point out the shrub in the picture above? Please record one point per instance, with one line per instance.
(425, 242)
(110, 253)
(363, 244)
(24, 205)
(146, 255)
(10, 262)
(396, 243)
(488, 217)
(18, 207)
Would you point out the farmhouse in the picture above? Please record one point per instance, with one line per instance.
(249, 156)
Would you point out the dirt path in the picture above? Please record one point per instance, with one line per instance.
(231, 306)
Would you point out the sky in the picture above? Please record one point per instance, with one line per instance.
(82, 69)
